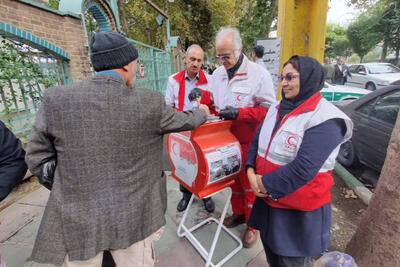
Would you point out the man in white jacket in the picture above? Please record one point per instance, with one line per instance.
(179, 87)
(242, 92)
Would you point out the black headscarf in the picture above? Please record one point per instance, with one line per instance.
(311, 81)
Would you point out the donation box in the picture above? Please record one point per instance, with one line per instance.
(205, 160)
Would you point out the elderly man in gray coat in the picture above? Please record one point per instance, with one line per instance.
(107, 136)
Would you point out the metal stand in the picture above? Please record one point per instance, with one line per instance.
(183, 231)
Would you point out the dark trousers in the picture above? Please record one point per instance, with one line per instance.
(275, 260)
(187, 194)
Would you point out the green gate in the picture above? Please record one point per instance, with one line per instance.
(28, 65)
(154, 67)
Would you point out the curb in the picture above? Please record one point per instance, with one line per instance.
(362, 192)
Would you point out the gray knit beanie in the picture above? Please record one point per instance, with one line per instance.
(111, 50)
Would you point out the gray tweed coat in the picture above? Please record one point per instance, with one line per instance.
(108, 192)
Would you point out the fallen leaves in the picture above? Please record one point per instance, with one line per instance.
(350, 194)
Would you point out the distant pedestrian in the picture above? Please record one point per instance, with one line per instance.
(341, 72)
(258, 56)
(107, 136)
(329, 70)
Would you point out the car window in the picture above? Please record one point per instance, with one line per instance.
(361, 68)
(387, 108)
(353, 68)
(366, 108)
(382, 68)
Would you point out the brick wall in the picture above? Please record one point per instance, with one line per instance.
(64, 31)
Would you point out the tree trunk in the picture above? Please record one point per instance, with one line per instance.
(361, 59)
(384, 51)
(377, 239)
(148, 33)
(122, 16)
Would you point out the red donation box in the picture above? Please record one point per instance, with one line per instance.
(205, 160)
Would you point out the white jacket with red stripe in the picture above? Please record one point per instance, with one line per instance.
(251, 90)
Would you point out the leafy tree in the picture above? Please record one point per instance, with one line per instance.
(256, 21)
(389, 24)
(361, 36)
(336, 42)
(198, 16)
(194, 21)
(384, 17)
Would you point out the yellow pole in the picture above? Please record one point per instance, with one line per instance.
(302, 27)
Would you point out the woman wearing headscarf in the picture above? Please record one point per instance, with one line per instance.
(290, 164)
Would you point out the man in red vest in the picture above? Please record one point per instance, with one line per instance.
(177, 95)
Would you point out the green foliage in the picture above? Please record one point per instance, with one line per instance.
(336, 42)
(373, 55)
(198, 16)
(354, 58)
(381, 21)
(197, 21)
(53, 4)
(91, 24)
(256, 21)
(361, 35)
(388, 23)
(18, 67)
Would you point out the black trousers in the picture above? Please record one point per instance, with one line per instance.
(187, 194)
(275, 260)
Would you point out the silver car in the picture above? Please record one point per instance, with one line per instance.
(372, 75)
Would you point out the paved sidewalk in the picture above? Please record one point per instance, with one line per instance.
(20, 223)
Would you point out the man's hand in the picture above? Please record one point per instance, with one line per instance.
(195, 94)
(205, 108)
(229, 113)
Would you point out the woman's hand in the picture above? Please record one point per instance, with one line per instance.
(254, 183)
(260, 185)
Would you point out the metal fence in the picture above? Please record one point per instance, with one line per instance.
(24, 73)
(154, 67)
(21, 92)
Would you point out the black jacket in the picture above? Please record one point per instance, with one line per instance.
(12, 163)
(340, 77)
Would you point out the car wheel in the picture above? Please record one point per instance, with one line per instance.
(347, 154)
(370, 86)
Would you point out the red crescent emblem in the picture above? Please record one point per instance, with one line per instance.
(175, 148)
(289, 140)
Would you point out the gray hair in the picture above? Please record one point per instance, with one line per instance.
(193, 46)
(237, 40)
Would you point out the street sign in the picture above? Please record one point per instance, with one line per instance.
(272, 50)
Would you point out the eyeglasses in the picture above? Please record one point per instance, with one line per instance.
(288, 77)
(224, 57)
